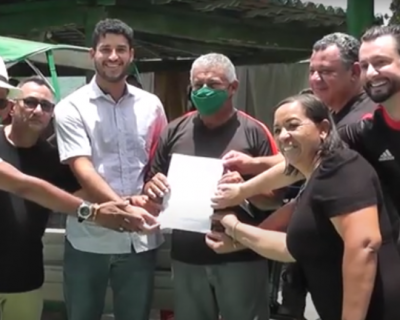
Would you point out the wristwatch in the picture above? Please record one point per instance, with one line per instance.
(85, 211)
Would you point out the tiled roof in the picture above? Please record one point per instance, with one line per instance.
(281, 10)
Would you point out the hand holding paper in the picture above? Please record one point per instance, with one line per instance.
(192, 181)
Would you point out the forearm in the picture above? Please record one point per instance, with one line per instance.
(269, 244)
(266, 202)
(272, 179)
(84, 195)
(359, 271)
(47, 195)
(96, 187)
(261, 164)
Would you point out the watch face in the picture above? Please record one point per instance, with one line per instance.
(84, 211)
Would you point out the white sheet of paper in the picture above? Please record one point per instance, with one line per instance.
(193, 181)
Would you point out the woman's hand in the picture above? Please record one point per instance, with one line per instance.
(227, 195)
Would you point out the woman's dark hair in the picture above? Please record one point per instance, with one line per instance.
(306, 91)
(316, 111)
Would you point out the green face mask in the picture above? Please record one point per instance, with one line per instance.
(209, 101)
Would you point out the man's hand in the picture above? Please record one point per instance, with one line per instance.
(148, 223)
(228, 220)
(238, 161)
(221, 243)
(157, 187)
(121, 216)
(146, 203)
(231, 177)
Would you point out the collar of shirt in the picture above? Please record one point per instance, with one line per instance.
(337, 116)
(96, 92)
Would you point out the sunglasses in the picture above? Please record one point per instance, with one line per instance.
(3, 103)
(32, 103)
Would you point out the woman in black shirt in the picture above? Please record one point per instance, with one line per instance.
(339, 233)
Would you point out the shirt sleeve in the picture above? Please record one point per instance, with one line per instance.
(160, 124)
(72, 139)
(160, 158)
(352, 134)
(344, 187)
(262, 141)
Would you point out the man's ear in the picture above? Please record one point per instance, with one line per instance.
(234, 87)
(355, 71)
(10, 107)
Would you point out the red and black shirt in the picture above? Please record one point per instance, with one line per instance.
(189, 136)
(377, 138)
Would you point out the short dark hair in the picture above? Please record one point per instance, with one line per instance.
(376, 32)
(35, 79)
(316, 111)
(348, 46)
(113, 26)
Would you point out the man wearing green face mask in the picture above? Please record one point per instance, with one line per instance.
(212, 275)
(208, 101)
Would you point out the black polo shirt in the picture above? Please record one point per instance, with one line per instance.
(377, 138)
(22, 222)
(355, 109)
(188, 135)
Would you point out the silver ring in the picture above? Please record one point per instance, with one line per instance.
(126, 220)
(121, 229)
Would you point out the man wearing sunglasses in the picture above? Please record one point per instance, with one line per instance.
(26, 158)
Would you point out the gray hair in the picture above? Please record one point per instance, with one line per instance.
(348, 46)
(215, 60)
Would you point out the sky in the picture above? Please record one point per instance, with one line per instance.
(381, 6)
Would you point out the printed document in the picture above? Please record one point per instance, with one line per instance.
(193, 181)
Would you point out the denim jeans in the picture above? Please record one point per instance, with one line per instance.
(86, 277)
(234, 290)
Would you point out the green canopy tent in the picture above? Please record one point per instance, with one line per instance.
(14, 51)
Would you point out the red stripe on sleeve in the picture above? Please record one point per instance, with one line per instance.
(270, 138)
(156, 136)
(367, 116)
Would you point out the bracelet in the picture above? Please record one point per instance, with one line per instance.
(95, 210)
(235, 243)
(234, 231)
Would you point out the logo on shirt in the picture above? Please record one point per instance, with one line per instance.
(386, 156)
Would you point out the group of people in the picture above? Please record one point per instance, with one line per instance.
(112, 152)
(342, 229)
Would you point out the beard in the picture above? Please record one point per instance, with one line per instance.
(111, 78)
(380, 95)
